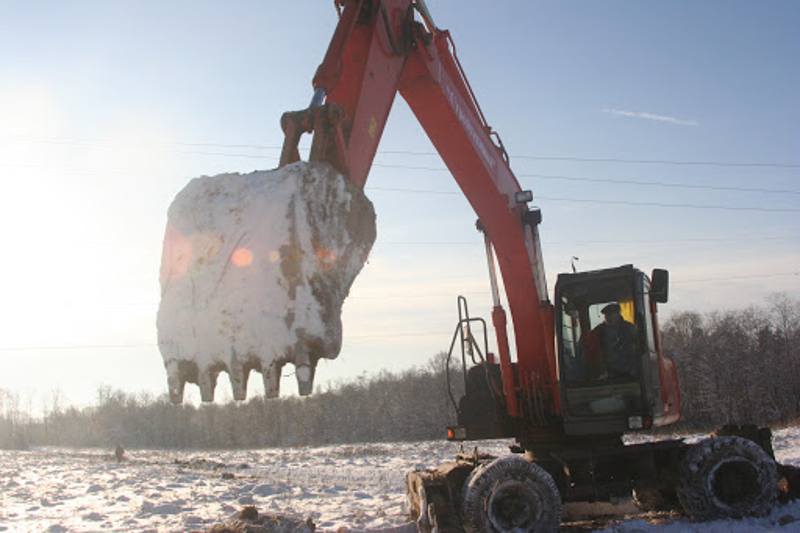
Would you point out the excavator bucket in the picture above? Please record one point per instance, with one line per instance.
(255, 269)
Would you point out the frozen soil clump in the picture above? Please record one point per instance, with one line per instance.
(254, 271)
(249, 520)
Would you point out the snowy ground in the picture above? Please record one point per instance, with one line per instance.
(354, 486)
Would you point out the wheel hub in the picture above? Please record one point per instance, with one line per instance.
(734, 482)
(513, 506)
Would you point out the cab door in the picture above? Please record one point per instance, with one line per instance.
(651, 379)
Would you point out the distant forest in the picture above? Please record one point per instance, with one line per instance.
(733, 366)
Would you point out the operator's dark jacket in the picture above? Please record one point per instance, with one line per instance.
(612, 349)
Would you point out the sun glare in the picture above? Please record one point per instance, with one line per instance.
(27, 112)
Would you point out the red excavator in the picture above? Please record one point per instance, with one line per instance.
(589, 364)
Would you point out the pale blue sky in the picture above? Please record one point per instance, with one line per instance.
(100, 103)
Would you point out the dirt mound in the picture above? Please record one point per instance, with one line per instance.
(250, 521)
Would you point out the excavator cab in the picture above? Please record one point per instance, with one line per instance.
(613, 374)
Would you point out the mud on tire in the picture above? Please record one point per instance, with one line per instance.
(510, 494)
(727, 477)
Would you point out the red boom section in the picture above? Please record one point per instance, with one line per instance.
(378, 49)
(360, 73)
(437, 94)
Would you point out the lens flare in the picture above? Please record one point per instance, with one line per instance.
(176, 256)
(242, 257)
(326, 258)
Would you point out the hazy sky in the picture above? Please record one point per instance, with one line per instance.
(108, 108)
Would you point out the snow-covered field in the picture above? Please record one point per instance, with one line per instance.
(352, 486)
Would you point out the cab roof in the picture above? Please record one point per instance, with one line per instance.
(620, 271)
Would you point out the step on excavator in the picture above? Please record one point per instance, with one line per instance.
(589, 365)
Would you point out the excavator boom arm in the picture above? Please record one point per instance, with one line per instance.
(380, 48)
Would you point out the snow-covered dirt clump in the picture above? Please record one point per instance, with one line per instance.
(254, 271)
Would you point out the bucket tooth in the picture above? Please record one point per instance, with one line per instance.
(238, 375)
(175, 381)
(305, 379)
(272, 380)
(207, 380)
(175, 385)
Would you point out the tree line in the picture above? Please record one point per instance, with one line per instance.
(738, 366)
(409, 405)
(733, 366)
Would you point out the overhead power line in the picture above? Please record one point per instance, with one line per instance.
(535, 157)
(225, 154)
(575, 159)
(65, 347)
(669, 184)
(549, 158)
(564, 199)
(616, 181)
(619, 181)
(603, 241)
(608, 202)
(673, 205)
(737, 278)
(654, 183)
(661, 162)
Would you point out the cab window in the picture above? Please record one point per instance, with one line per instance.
(600, 347)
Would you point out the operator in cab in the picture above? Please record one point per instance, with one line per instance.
(611, 346)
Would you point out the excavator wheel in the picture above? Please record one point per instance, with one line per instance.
(510, 494)
(727, 477)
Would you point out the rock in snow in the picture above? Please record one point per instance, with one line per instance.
(254, 271)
